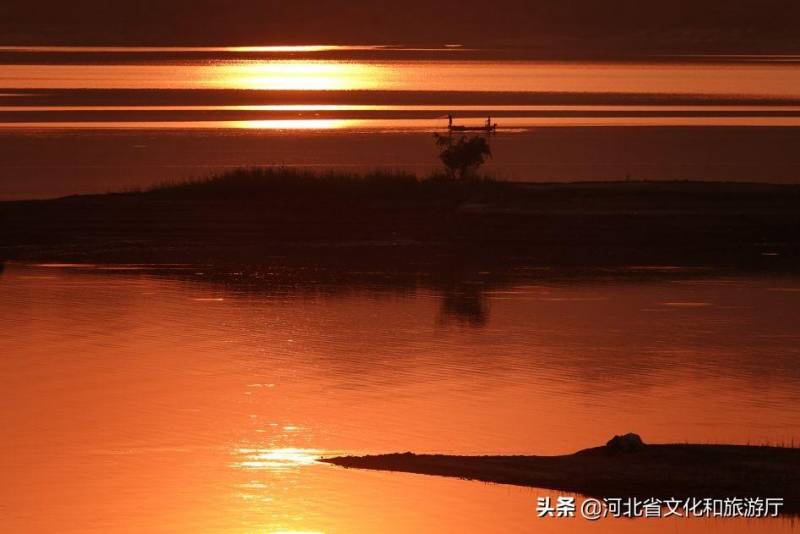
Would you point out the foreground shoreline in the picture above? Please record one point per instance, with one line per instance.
(660, 471)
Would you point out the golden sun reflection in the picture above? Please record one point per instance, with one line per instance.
(299, 75)
(292, 124)
(275, 459)
(304, 48)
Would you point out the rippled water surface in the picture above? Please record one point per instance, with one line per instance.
(169, 400)
(75, 120)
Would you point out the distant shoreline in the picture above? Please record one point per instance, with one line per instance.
(253, 215)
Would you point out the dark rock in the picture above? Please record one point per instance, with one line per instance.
(628, 443)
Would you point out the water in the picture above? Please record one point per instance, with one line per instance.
(174, 399)
(96, 119)
(765, 80)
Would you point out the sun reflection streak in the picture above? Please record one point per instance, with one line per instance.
(293, 124)
(305, 48)
(281, 459)
(299, 75)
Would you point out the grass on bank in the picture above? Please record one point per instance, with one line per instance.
(261, 183)
(308, 184)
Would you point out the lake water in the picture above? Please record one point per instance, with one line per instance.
(175, 399)
(78, 119)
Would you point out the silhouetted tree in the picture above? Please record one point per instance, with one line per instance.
(462, 157)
